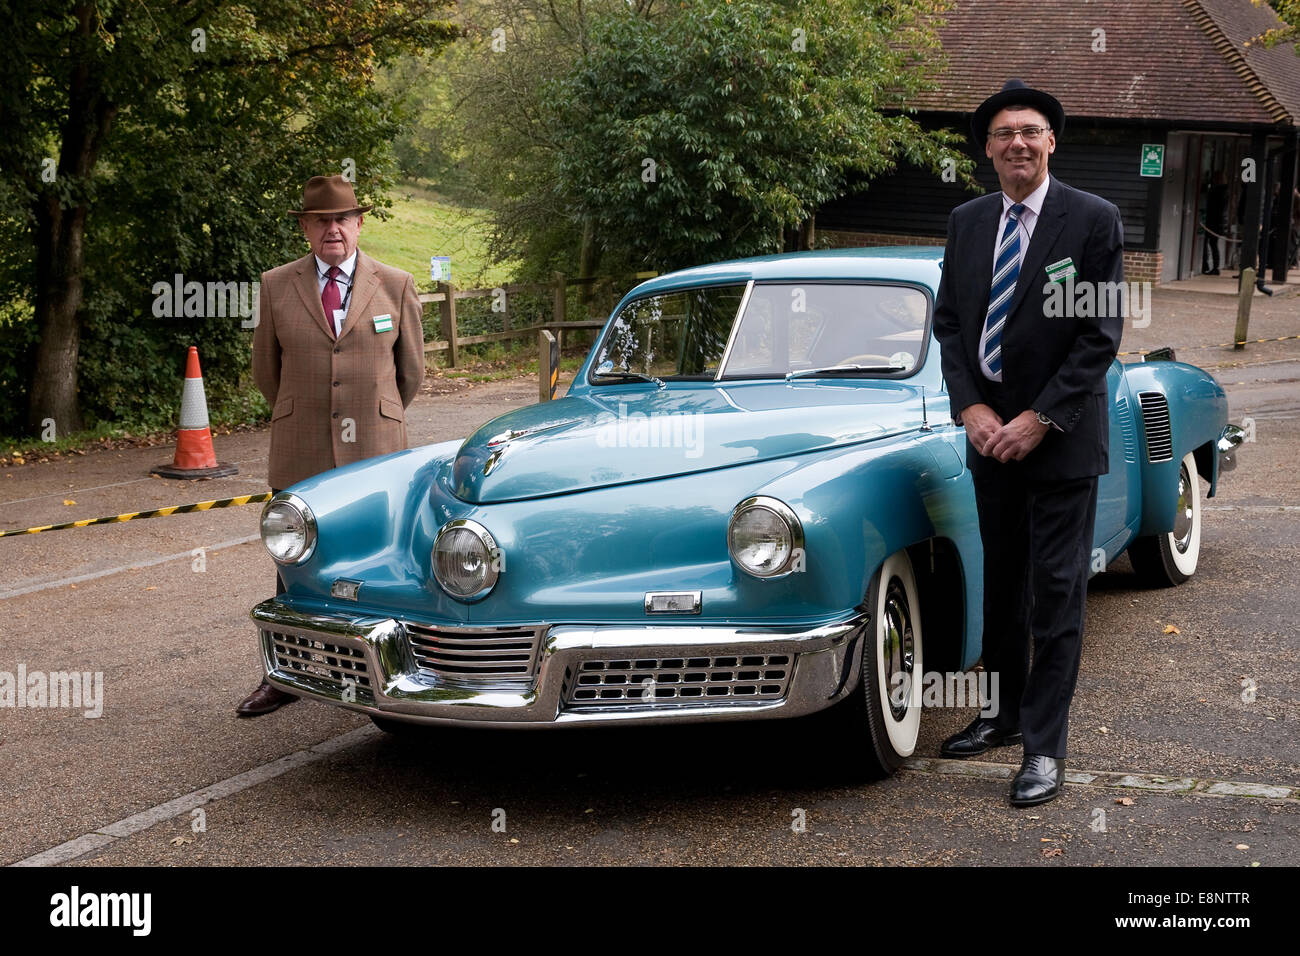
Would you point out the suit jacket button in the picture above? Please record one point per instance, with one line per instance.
(337, 351)
(336, 384)
(335, 415)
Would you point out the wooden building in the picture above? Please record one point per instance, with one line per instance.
(1176, 75)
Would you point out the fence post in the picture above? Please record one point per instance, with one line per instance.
(548, 365)
(1243, 308)
(447, 307)
(560, 308)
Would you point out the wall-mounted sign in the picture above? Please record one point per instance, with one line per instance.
(1153, 159)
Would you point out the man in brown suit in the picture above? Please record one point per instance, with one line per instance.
(338, 352)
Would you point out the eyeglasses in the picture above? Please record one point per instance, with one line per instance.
(1030, 134)
(323, 221)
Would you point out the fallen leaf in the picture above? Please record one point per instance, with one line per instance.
(1103, 730)
(1125, 801)
(1046, 840)
(1243, 846)
(68, 501)
(152, 588)
(1171, 629)
(513, 840)
(1053, 851)
(590, 810)
(181, 841)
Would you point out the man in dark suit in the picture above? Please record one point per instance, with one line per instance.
(1025, 365)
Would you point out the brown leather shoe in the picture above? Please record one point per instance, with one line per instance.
(263, 700)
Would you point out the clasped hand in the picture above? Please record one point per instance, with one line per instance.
(992, 438)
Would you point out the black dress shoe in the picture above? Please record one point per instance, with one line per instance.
(1040, 779)
(263, 700)
(980, 734)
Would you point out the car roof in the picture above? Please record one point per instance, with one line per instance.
(919, 264)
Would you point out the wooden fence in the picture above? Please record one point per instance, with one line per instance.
(603, 294)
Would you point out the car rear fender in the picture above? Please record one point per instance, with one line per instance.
(1182, 410)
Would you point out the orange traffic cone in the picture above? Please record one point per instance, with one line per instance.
(194, 455)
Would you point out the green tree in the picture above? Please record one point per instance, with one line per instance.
(1289, 12)
(150, 137)
(501, 124)
(718, 131)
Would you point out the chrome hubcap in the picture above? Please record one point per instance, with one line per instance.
(898, 649)
(1182, 533)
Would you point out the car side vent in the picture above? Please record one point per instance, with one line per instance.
(1155, 416)
(1127, 428)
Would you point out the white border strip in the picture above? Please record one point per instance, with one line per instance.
(145, 819)
(148, 563)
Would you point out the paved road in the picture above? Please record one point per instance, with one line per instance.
(1160, 718)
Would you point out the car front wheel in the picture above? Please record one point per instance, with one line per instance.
(881, 720)
(1164, 560)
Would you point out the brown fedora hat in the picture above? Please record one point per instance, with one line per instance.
(328, 194)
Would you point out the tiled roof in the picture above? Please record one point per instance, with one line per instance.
(1179, 60)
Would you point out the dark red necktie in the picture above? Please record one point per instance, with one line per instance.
(329, 298)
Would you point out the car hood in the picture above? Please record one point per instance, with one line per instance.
(636, 434)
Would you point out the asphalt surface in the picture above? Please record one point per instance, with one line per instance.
(1180, 690)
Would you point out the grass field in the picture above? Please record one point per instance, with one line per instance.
(424, 224)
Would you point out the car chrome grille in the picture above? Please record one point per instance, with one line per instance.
(678, 681)
(475, 653)
(1155, 415)
(310, 661)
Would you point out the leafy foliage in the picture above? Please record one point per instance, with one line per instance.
(708, 134)
(178, 136)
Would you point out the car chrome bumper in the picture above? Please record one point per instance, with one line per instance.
(367, 663)
(1229, 441)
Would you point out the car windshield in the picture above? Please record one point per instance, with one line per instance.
(799, 328)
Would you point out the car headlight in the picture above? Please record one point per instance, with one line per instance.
(288, 529)
(765, 537)
(466, 560)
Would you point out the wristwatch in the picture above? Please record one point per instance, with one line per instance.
(1043, 419)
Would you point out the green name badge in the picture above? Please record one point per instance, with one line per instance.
(383, 323)
(1061, 270)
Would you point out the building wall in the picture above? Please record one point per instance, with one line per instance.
(1140, 265)
(1097, 159)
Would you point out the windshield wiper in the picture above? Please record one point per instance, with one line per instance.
(842, 370)
(607, 370)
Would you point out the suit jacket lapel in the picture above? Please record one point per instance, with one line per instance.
(365, 280)
(1050, 223)
(309, 292)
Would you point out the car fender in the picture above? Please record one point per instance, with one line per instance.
(1197, 411)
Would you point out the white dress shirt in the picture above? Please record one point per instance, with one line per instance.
(344, 282)
(1028, 219)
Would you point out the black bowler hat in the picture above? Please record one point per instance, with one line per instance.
(1015, 93)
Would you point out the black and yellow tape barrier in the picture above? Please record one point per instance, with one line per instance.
(156, 513)
(1221, 345)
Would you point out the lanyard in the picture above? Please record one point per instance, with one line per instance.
(347, 295)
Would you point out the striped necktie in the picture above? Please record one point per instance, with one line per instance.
(1006, 270)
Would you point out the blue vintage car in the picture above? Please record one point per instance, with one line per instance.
(752, 503)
